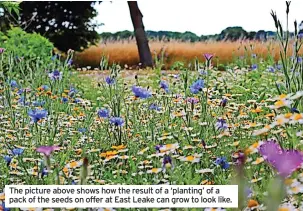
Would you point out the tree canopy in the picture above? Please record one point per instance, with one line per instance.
(68, 24)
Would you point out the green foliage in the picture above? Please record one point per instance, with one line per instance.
(26, 45)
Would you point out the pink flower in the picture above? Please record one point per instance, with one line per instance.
(47, 150)
(208, 56)
(284, 161)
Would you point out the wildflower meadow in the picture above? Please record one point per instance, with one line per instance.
(193, 126)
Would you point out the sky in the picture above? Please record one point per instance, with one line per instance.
(202, 17)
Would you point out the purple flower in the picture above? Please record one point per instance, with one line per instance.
(299, 59)
(157, 148)
(47, 150)
(223, 102)
(221, 161)
(44, 172)
(38, 103)
(69, 62)
(239, 158)
(72, 91)
(197, 86)
(221, 124)
(271, 69)
(64, 100)
(13, 84)
(141, 92)
(117, 121)
(193, 100)
(284, 161)
(164, 85)
(82, 130)
(22, 101)
(17, 151)
(279, 66)
(153, 106)
(166, 160)
(104, 113)
(55, 75)
(254, 66)
(109, 80)
(37, 114)
(7, 159)
(294, 110)
(208, 56)
(269, 150)
(2, 50)
(288, 162)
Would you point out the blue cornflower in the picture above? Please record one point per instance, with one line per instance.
(37, 114)
(254, 66)
(294, 110)
(82, 130)
(221, 124)
(20, 91)
(299, 59)
(153, 106)
(22, 101)
(157, 148)
(13, 84)
(17, 151)
(197, 86)
(117, 121)
(38, 103)
(167, 161)
(141, 92)
(109, 80)
(3, 207)
(104, 113)
(279, 66)
(223, 102)
(44, 172)
(271, 69)
(44, 87)
(248, 192)
(7, 159)
(55, 75)
(69, 62)
(64, 100)
(77, 100)
(164, 85)
(72, 91)
(221, 161)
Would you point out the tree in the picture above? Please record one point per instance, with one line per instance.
(65, 23)
(141, 39)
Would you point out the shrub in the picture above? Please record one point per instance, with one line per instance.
(26, 45)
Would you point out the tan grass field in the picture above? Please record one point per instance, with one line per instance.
(125, 52)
